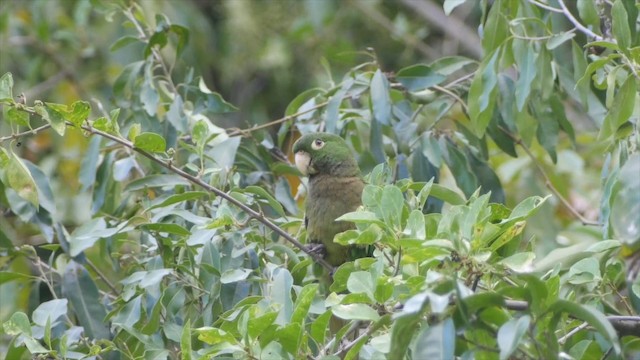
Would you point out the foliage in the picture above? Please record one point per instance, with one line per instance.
(181, 241)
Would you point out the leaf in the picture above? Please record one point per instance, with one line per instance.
(89, 164)
(589, 13)
(122, 42)
(415, 225)
(57, 122)
(185, 341)
(361, 282)
(17, 324)
(525, 58)
(215, 102)
(620, 26)
(82, 292)
(213, 336)
(49, 311)
(178, 198)
(156, 180)
(591, 316)
(19, 179)
(78, 113)
(174, 229)
(510, 334)
(496, 29)
(446, 194)
(150, 142)
(355, 312)
(303, 303)
(402, 332)
(183, 37)
(418, 77)
(482, 94)
(18, 117)
(623, 105)
(264, 195)
(391, 204)
(234, 275)
(6, 88)
(449, 5)
(380, 99)
(558, 39)
(436, 341)
(159, 39)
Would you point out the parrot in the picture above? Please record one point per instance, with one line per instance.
(334, 188)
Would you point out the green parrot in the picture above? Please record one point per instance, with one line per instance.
(334, 188)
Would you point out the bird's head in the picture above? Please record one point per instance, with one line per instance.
(323, 153)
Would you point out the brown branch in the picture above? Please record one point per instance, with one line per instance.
(25, 133)
(197, 181)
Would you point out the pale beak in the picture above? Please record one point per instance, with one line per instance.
(303, 160)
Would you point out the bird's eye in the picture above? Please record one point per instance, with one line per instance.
(317, 144)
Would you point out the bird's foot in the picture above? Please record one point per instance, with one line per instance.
(317, 249)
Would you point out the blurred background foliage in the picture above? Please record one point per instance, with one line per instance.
(259, 56)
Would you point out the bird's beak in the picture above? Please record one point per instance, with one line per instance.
(303, 160)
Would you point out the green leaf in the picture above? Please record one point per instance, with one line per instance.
(558, 39)
(510, 334)
(185, 341)
(402, 332)
(418, 77)
(436, 341)
(234, 275)
(178, 198)
(84, 236)
(18, 324)
(213, 336)
(18, 117)
(355, 312)
(6, 88)
(19, 179)
(496, 29)
(122, 42)
(56, 121)
(159, 39)
(449, 5)
(150, 142)
(447, 195)
(623, 105)
(591, 316)
(78, 113)
(482, 94)
(49, 311)
(415, 225)
(525, 58)
(215, 102)
(156, 180)
(391, 204)
(85, 300)
(589, 13)
(303, 303)
(380, 99)
(620, 26)
(174, 229)
(585, 271)
(361, 282)
(264, 195)
(183, 37)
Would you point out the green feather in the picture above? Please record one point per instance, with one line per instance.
(335, 188)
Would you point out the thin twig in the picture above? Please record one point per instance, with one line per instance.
(102, 276)
(453, 95)
(548, 182)
(25, 133)
(577, 23)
